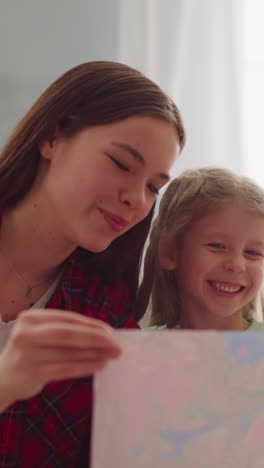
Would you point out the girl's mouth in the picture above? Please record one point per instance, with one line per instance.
(225, 287)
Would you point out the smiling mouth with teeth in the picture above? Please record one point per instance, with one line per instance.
(225, 288)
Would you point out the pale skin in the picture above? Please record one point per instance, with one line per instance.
(56, 346)
(219, 267)
(91, 176)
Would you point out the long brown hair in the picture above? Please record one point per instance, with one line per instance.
(93, 93)
(187, 198)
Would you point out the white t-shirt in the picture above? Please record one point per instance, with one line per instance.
(6, 328)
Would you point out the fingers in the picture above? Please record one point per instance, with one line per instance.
(57, 372)
(51, 345)
(48, 345)
(62, 329)
(66, 316)
(64, 335)
(50, 356)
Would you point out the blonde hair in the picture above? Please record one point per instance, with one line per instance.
(188, 198)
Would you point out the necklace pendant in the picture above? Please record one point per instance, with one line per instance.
(28, 291)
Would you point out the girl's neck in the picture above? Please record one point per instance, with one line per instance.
(30, 243)
(236, 322)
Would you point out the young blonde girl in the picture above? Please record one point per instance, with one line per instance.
(204, 265)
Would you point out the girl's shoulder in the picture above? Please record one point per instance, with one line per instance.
(157, 327)
(256, 326)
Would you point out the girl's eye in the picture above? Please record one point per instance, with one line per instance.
(125, 168)
(254, 253)
(153, 189)
(216, 246)
(119, 164)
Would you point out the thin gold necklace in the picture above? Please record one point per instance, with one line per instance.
(29, 287)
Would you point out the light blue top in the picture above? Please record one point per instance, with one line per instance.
(254, 327)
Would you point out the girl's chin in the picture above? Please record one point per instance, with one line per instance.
(96, 248)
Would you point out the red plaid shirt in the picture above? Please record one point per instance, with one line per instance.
(53, 429)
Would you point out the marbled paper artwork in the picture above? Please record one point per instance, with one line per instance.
(182, 399)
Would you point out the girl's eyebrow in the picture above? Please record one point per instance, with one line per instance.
(257, 243)
(137, 155)
(130, 149)
(225, 237)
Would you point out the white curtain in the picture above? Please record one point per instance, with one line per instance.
(192, 49)
(253, 87)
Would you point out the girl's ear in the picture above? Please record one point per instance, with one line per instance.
(46, 146)
(167, 253)
(45, 149)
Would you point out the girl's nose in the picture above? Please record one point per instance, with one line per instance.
(235, 263)
(134, 197)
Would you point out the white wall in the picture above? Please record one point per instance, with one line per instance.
(39, 40)
(188, 46)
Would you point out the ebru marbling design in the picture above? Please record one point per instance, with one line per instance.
(182, 399)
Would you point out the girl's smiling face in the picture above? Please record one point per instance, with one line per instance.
(104, 180)
(219, 265)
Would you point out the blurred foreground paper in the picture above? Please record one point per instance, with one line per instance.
(182, 399)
